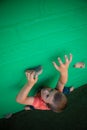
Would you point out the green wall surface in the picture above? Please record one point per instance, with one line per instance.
(35, 33)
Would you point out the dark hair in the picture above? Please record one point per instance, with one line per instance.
(59, 102)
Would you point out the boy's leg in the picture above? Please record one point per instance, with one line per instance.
(68, 90)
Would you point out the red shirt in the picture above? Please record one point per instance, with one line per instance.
(39, 103)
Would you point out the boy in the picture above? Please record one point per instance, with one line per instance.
(47, 99)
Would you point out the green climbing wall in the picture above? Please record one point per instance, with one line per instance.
(37, 32)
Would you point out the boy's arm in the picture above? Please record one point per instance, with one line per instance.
(62, 81)
(22, 97)
(63, 69)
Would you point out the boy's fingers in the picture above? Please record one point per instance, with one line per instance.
(32, 74)
(36, 78)
(55, 65)
(66, 58)
(27, 74)
(70, 57)
(60, 61)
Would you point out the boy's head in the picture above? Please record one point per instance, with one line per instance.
(55, 100)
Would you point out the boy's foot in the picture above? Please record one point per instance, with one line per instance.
(38, 70)
(68, 90)
(71, 89)
(27, 108)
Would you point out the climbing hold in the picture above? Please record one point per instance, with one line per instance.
(7, 116)
(79, 65)
(38, 70)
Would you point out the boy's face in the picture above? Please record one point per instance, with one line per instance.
(47, 94)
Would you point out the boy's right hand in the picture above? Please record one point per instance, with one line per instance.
(32, 79)
(63, 66)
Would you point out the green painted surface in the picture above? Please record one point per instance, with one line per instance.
(37, 32)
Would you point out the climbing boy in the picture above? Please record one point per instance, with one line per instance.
(47, 98)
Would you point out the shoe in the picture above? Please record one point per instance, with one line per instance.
(68, 90)
(29, 107)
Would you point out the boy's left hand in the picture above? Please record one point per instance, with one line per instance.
(32, 79)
